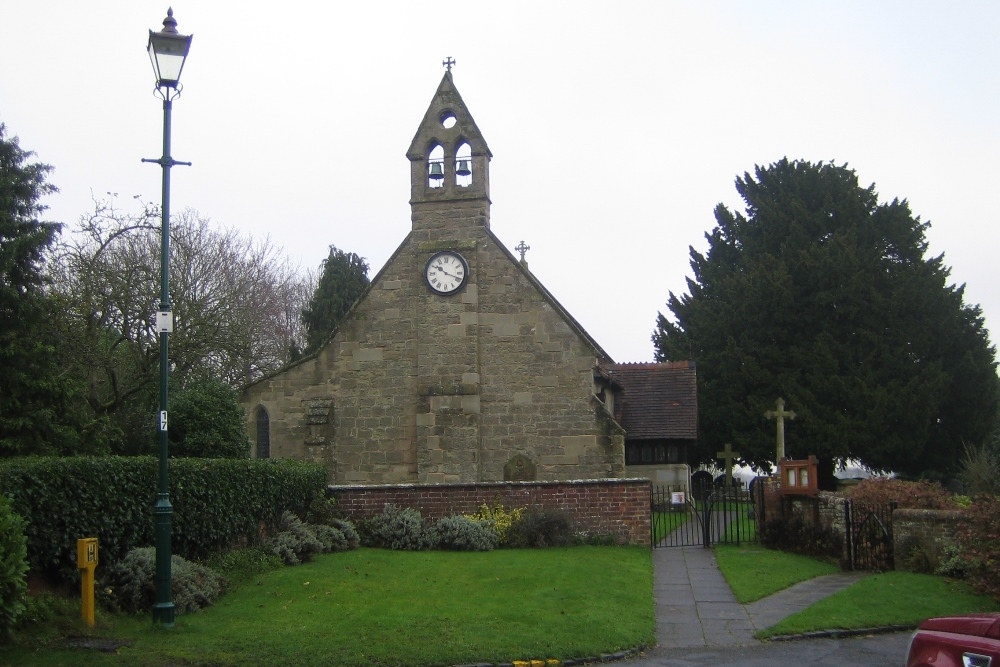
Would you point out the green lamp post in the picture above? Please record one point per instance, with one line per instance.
(167, 51)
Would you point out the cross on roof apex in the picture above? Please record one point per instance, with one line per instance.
(448, 62)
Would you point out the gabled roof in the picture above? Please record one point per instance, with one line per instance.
(657, 400)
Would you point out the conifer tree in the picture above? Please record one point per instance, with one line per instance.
(823, 296)
(343, 280)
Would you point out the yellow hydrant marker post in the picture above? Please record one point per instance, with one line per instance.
(86, 560)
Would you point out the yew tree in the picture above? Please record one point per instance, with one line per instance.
(343, 279)
(822, 295)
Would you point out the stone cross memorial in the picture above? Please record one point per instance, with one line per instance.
(780, 415)
(728, 455)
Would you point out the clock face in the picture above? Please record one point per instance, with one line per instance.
(446, 272)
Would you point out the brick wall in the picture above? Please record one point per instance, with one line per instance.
(618, 507)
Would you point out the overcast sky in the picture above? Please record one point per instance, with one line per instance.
(615, 127)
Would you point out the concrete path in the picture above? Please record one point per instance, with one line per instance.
(695, 607)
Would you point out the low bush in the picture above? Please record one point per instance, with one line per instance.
(13, 567)
(499, 516)
(348, 530)
(541, 528)
(460, 533)
(978, 537)
(953, 564)
(295, 542)
(398, 528)
(922, 495)
(130, 584)
(796, 535)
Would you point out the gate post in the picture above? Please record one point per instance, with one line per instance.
(849, 535)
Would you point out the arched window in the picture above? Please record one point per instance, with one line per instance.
(463, 165)
(263, 434)
(435, 167)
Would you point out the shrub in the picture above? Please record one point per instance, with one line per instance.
(217, 503)
(980, 468)
(395, 528)
(460, 533)
(953, 563)
(13, 567)
(499, 516)
(130, 584)
(796, 535)
(908, 495)
(207, 421)
(329, 538)
(541, 528)
(295, 542)
(348, 531)
(978, 537)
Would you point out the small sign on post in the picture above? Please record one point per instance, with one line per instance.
(86, 560)
(798, 478)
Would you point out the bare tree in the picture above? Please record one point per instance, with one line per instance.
(235, 302)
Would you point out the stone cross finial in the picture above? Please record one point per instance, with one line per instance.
(780, 415)
(728, 455)
(522, 248)
(448, 62)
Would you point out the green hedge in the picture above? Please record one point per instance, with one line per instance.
(216, 503)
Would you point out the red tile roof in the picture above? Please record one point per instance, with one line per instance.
(657, 400)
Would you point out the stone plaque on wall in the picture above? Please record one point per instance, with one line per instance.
(519, 469)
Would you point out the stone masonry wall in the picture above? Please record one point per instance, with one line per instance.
(618, 507)
(416, 387)
(920, 536)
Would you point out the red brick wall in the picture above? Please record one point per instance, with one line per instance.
(618, 507)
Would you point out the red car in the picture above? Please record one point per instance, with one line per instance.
(956, 641)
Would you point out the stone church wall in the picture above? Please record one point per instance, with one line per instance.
(416, 387)
(618, 507)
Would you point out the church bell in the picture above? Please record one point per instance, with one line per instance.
(437, 171)
(463, 168)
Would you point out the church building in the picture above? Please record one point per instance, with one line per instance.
(457, 365)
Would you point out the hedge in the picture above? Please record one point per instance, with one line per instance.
(216, 503)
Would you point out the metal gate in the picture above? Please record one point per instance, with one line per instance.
(723, 515)
(868, 529)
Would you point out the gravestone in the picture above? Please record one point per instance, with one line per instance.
(519, 469)
(701, 483)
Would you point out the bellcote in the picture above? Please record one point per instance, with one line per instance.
(449, 159)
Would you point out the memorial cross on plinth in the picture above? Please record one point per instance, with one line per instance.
(780, 414)
(728, 456)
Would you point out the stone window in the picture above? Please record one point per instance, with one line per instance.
(263, 434)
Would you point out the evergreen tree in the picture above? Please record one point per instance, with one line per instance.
(343, 280)
(823, 296)
(34, 398)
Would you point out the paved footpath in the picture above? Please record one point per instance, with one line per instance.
(695, 607)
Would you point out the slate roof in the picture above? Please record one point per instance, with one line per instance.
(657, 400)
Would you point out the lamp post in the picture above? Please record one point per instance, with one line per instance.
(167, 52)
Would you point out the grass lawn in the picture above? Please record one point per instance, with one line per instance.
(891, 598)
(666, 522)
(879, 600)
(754, 571)
(379, 607)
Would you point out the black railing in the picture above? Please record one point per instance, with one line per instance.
(868, 529)
(723, 515)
